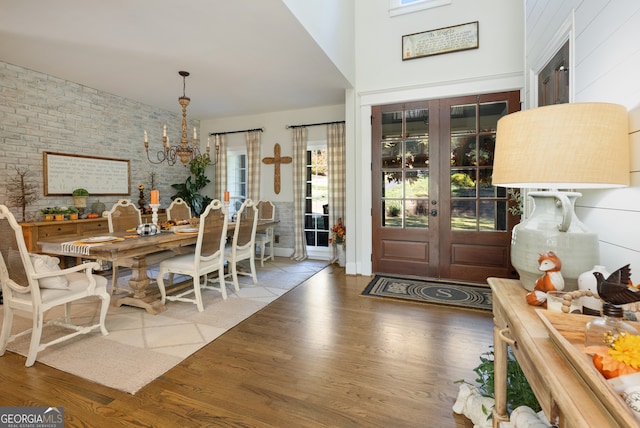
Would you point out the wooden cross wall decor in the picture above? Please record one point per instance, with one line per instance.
(276, 160)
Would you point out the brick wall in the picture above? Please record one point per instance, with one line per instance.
(41, 113)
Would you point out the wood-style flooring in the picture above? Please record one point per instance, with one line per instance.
(320, 356)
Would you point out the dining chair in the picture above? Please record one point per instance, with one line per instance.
(207, 258)
(243, 245)
(178, 210)
(266, 211)
(123, 216)
(35, 283)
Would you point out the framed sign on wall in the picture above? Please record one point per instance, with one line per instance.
(100, 176)
(442, 40)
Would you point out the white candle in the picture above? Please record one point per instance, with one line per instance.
(164, 131)
(145, 136)
(208, 142)
(195, 135)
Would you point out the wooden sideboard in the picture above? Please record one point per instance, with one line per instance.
(564, 395)
(36, 231)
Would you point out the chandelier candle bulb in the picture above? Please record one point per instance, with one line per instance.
(208, 143)
(195, 134)
(146, 140)
(155, 197)
(164, 130)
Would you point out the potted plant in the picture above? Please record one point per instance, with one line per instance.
(72, 212)
(47, 214)
(189, 190)
(80, 196)
(59, 213)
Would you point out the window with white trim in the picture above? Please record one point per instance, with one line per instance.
(236, 179)
(400, 7)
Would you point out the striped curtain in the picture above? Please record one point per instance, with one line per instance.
(299, 192)
(337, 174)
(220, 185)
(253, 165)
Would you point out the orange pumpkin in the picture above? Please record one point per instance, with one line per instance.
(609, 367)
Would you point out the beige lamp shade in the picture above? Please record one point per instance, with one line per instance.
(563, 146)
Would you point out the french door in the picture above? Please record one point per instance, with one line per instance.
(435, 212)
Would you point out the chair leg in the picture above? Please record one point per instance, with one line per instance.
(161, 287)
(197, 292)
(114, 278)
(223, 285)
(252, 262)
(104, 307)
(263, 248)
(7, 323)
(234, 276)
(36, 334)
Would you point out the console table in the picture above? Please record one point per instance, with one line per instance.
(564, 395)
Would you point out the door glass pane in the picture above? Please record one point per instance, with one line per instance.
(463, 150)
(392, 155)
(392, 184)
(484, 184)
(489, 115)
(463, 184)
(392, 125)
(417, 123)
(463, 215)
(463, 119)
(417, 213)
(416, 184)
(392, 213)
(493, 215)
(417, 153)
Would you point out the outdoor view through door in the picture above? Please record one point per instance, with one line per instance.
(435, 212)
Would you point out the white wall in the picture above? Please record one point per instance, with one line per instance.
(382, 78)
(606, 60)
(331, 24)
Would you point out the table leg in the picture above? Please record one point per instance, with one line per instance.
(139, 283)
(500, 380)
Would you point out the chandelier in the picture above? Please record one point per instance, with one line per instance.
(184, 152)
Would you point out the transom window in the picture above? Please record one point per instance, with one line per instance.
(400, 7)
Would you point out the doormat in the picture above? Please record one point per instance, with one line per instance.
(438, 292)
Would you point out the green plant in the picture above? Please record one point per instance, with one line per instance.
(72, 210)
(517, 204)
(80, 192)
(189, 190)
(519, 392)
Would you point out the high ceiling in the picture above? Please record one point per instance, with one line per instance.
(244, 56)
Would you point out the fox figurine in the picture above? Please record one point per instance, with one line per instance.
(550, 264)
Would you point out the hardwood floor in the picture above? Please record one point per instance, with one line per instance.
(320, 356)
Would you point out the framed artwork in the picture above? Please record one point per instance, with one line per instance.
(100, 176)
(440, 41)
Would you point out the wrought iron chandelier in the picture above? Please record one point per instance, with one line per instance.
(184, 152)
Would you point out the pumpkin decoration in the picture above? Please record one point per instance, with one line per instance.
(620, 357)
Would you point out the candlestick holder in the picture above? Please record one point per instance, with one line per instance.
(154, 213)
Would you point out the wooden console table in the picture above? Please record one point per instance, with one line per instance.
(564, 395)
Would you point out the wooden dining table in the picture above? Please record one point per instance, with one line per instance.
(132, 251)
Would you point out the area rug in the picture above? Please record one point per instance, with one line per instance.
(140, 347)
(438, 292)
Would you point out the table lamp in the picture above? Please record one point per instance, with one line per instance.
(562, 146)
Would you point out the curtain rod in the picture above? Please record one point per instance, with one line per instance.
(236, 132)
(314, 124)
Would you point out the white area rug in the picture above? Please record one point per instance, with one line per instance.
(140, 347)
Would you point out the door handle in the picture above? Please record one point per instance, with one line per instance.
(433, 213)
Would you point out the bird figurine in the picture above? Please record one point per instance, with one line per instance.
(550, 264)
(615, 289)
